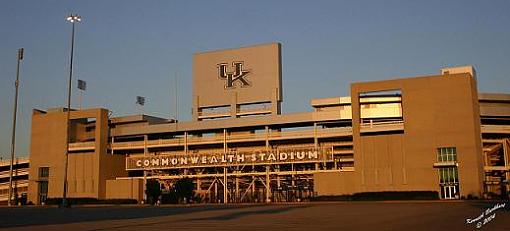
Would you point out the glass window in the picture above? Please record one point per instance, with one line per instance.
(449, 175)
(447, 154)
(44, 172)
(43, 187)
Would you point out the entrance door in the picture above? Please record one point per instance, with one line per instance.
(43, 191)
(449, 192)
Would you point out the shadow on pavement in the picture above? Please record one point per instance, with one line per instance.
(17, 217)
(231, 216)
(237, 215)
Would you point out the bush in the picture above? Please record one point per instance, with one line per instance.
(153, 191)
(381, 196)
(181, 192)
(82, 201)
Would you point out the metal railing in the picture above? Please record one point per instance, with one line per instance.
(81, 146)
(505, 129)
(382, 126)
(19, 160)
(218, 138)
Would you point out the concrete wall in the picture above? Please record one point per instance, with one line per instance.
(438, 111)
(87, 171)
(124, 189)
(47, 149)
(332, 183)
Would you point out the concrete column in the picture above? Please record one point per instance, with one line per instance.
(145, 152)
(186, 143)
(225, 147)
(267, 138)
(275, 104)
(252, 188)
(216, 191)
(225, 188)
(196, 108)
(315, 138)
(268, 185)
(233, 105)
(237, 190)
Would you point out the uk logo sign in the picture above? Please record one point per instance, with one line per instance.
(233, 77)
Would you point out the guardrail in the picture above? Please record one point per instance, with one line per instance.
(496, 129)
(19, 160)
(16, 172)
(80, 146)
(382, 126)
(191, 140)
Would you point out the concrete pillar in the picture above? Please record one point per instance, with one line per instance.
(233, 105)
(225, 188)
(268, 185)
(315, 138)
(196, 108)
(267, 138)
(225, 147)
(275, 103)
(186, 143)
(237, 190)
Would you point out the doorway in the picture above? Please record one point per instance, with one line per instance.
(449, 192)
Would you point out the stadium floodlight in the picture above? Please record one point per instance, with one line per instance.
(73, 18)
(14, 117)
(140, 100)
(82, 85)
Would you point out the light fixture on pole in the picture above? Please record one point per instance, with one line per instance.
(13, 140)
(82, 86)
(140, 100)
(73, 19)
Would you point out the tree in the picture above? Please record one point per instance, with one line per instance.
(184, 189)
(153, 191)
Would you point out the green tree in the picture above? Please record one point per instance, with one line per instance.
(184, 189)
(153, 191)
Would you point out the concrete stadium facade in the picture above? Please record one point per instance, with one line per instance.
(431, 133)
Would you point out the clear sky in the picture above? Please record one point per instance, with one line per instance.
(129, 48)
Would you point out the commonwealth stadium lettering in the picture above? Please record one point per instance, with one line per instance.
(221, 159)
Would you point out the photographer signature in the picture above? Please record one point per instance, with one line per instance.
(487, 216)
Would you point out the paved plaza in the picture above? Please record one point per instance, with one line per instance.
(400, 215)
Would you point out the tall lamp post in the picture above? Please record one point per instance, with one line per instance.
(13, 140)
(73, 19)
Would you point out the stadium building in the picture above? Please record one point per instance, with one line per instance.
(421, 134)
(19, 180)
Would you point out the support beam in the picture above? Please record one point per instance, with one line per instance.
(315, 138)
(225, 146)
(225, 186)
(267, 138)
(237, 190)
(268, 186)
(186, 143)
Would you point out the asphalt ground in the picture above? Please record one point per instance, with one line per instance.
(394, 215)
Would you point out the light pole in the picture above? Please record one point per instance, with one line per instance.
(73, 19)
(13, 139)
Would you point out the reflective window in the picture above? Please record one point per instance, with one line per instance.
(449, 175)
(44, 172)
(447, 154)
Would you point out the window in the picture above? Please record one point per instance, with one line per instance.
(448, 176)
(448, 154)
(44, 172)
(43, 191)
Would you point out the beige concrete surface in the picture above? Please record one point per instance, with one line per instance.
(401, 215)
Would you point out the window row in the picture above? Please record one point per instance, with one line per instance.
(449, 175)
(447, 154)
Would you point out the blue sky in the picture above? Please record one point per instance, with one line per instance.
(129, 48)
